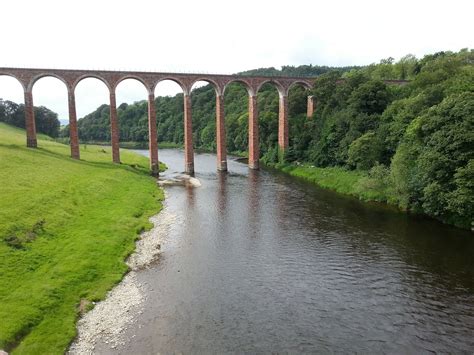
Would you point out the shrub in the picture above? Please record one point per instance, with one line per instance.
(365, 151)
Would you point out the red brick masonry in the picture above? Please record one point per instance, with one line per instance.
(28, 77)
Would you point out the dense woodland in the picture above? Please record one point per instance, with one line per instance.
(14, 114)
(415, 141)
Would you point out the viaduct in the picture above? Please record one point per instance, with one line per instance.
(27, 77)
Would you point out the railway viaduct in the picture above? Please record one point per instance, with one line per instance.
(71, 78)
(27, 77)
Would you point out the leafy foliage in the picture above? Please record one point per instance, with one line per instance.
(46, 120)
(364, 152)
(447, 156)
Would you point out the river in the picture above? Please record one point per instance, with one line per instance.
(258, 261)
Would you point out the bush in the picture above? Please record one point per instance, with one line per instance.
(365, 151)
(445, 162)
(377, 185)
(404, 173)
(371, 97)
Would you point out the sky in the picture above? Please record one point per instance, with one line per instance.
(210, 36)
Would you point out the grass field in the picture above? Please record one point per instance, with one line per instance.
(66, 227)
(349, 182)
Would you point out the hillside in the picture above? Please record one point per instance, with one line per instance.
(66, 227)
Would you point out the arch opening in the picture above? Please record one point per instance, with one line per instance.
(200, 82)
(45, 75)
(300, 128)
(132, 110)
(298, 99)
(169, 113)
(11, 87)
(91, 76)
(241, 82)
(12, 101)
(166, 87)
(268, 98)
(50, 100)
(203, 98)
(301, 84)
(280, 89)
(92, 106)
(169, 104)
(236, 98)
(134, 79)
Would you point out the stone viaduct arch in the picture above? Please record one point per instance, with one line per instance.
(221, 151)
(27, 78)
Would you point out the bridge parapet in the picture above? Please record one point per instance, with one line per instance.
(71, 77)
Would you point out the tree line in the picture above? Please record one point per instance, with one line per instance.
(415, 141)
(14, 114)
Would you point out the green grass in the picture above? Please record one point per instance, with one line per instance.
(66, 227)
(349, 182)
(169, 145)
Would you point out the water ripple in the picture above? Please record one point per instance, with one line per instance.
(266, 263)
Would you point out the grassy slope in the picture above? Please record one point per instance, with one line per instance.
(354, 183)
(65, 229)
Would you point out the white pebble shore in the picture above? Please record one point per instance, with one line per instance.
(109, 318)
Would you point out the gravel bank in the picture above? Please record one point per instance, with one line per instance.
(110, 317)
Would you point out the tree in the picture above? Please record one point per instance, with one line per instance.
(46, 120)
(448, 135)
(371, 97)
(365, 151)
(407, 67)
(2, 110)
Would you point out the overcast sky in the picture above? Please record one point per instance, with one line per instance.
(213, 36)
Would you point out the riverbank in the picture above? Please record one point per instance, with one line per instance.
(349, 182)
(109, 319)
(66, 228)
(372, 186)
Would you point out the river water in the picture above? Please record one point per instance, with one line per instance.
(258, 261)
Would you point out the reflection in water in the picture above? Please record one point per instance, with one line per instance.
(222, 203)
(190, 197)
(222, 192)
(253, 204)
(264, 262)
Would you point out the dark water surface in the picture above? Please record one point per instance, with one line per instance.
(258, 261)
